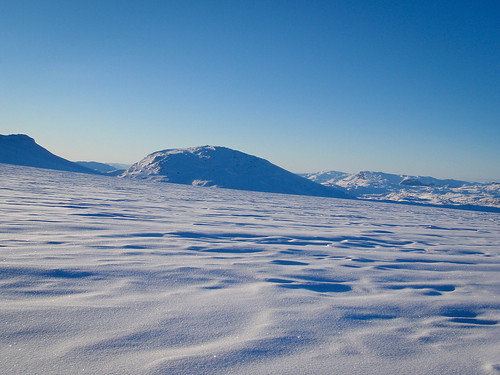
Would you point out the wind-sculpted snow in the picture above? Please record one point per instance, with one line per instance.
(420, 190)
(100, 275)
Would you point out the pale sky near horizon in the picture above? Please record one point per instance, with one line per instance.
(395, 86)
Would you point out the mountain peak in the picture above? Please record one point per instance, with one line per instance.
(17, 138)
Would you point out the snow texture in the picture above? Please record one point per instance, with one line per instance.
(217, 166)
(411, 189)
(100, 275)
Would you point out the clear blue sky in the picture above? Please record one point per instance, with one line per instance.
(395, 86)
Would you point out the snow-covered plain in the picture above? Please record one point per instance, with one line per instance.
(112, 276)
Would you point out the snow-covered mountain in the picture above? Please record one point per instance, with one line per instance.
(20, 149)
(325, 177)
(417, 189)
(226, 168)
(119, 166)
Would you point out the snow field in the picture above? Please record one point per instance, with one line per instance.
(101, 275)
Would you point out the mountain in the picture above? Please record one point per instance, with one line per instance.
(367, 182)
(325, 177)
(226, 168)
(118, 166)
(416, 189)
(19, 149)
(99, 167)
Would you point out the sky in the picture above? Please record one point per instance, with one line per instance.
(397, 86)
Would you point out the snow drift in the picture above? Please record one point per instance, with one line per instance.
(226, 168)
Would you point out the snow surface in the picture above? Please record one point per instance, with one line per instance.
(101, 275)
(414, 189)
(215, 166)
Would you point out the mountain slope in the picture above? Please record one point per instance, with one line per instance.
(19, 149)
(226, 168)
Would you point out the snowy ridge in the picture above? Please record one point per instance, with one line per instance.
(19, 149)
(217, 166)
(415, 189)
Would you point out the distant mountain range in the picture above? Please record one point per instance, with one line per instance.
(223, 167)
(414, 189)
(96, 166)
(214, 166)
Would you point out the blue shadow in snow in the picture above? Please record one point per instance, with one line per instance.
(289, 262)
(319, 287)
(67, 274)
(474, 321)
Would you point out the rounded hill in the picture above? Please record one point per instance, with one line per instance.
(226, 168)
